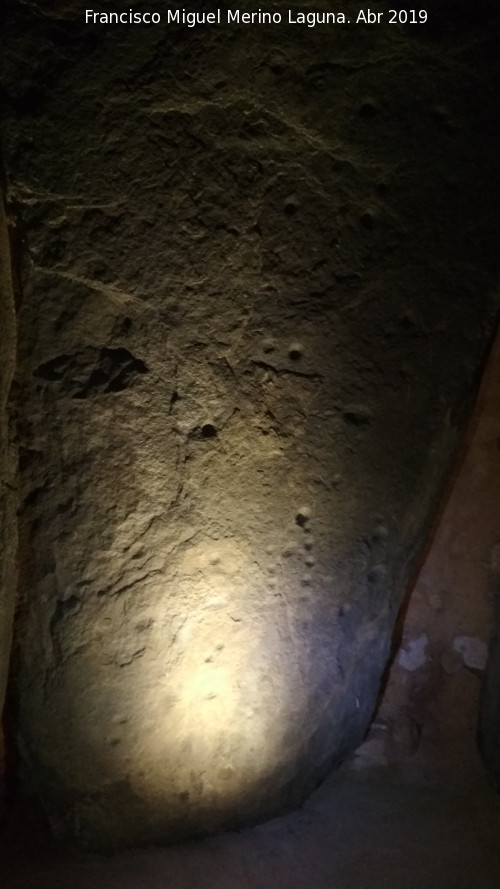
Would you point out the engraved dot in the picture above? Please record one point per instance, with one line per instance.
(368, 110)
(295, 352)
(208, 431)
(367, 220)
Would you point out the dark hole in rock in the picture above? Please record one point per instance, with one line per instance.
(291, 206)
(54, 369)
(34, 495)
(358, 418)
(208, 431)
(367, 220)
(301, 520)
(406, 322)
(295, 354)
(120, 367)
(89, 371)
(368, 110)
(97, 380)
(115, 371)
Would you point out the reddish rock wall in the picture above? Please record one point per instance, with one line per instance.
(428, 718)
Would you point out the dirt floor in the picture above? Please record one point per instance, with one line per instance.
(367, 830)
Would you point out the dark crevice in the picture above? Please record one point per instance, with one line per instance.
(285, 371)
(92, 372)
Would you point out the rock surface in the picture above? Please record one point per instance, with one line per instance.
(489, 716)
(258, 285)
(8, 456)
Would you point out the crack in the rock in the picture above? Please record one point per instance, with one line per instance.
(118, 297)
(285, 371)
(113, 591)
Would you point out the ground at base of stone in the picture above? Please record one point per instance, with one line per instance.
(358, 831)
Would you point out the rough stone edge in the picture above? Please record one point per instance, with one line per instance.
(8, 455)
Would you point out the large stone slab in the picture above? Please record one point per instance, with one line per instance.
(260, 275)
